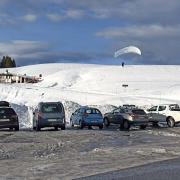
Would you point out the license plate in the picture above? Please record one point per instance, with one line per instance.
(93, 121)
(52, 120)
(4, 120)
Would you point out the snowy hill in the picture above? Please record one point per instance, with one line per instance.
(93, 85)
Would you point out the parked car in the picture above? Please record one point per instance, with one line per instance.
(87, 116)
(8, 118)
(126, 118)
(169, 113)
(49, 114)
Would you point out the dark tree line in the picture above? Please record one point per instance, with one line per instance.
(7, 62)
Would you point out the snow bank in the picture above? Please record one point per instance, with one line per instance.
(99, 85)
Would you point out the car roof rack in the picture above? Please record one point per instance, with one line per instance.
(129, 106)
(4, 104)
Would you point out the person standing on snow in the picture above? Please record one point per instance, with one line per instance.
(122, 64)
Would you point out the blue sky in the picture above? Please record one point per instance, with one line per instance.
(89, 31)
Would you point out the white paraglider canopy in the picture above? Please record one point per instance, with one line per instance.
(126, 50)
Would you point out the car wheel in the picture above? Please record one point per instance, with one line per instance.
(37, 127)
(81, 124)
(56, 128)
(101, 126)
(126, 125)
(11, 129)
(71, 123)
(121, 127)
(17, 128)
(63, 127)
(155, 124)
(106, 122)
(170, 122)
(143, 127)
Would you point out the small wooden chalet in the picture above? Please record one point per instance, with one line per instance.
(17, 78)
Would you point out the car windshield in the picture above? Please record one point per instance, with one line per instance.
(7, 111)
(154, 108)
(51, 108)
(138, 112)
(92, 111)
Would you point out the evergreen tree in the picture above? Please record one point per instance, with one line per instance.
(7, 62)
(14, 63)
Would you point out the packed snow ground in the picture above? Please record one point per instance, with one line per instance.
(75, 153)
(84, 84)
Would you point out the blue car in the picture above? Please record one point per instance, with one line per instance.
(86, 116)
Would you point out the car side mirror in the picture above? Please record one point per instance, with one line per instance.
(33, 113)
(72, 113)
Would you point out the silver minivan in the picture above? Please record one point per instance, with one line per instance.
(49, 114)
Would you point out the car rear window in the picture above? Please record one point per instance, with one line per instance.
(139, 112)
(51, 108)
(174, 107)
(7, 111)
(93, 111)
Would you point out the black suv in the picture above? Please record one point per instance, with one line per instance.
(8, 117)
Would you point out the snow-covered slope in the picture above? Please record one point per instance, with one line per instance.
(95, 85)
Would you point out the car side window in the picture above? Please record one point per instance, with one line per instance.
(154, 108)
(116, 111)
(122, 111)
(161, 108)
(81, 111)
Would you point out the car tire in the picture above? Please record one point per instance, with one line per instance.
(37, 127)
(56, 128)
(121, 127)
(11, 129)
(63, 127)
(16, 128)
(155, 124)
(81, 124)
(126, 125)
(101, 126)
(106, 122)
(170, 122)
(71, 123)
(143, 127)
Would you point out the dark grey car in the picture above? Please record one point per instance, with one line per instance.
(8, 118)
(49, 114)
(127, 117)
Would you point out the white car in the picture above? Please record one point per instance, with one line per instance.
(169, 113)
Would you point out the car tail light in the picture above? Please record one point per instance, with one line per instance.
(40, 115)
(14, 116)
